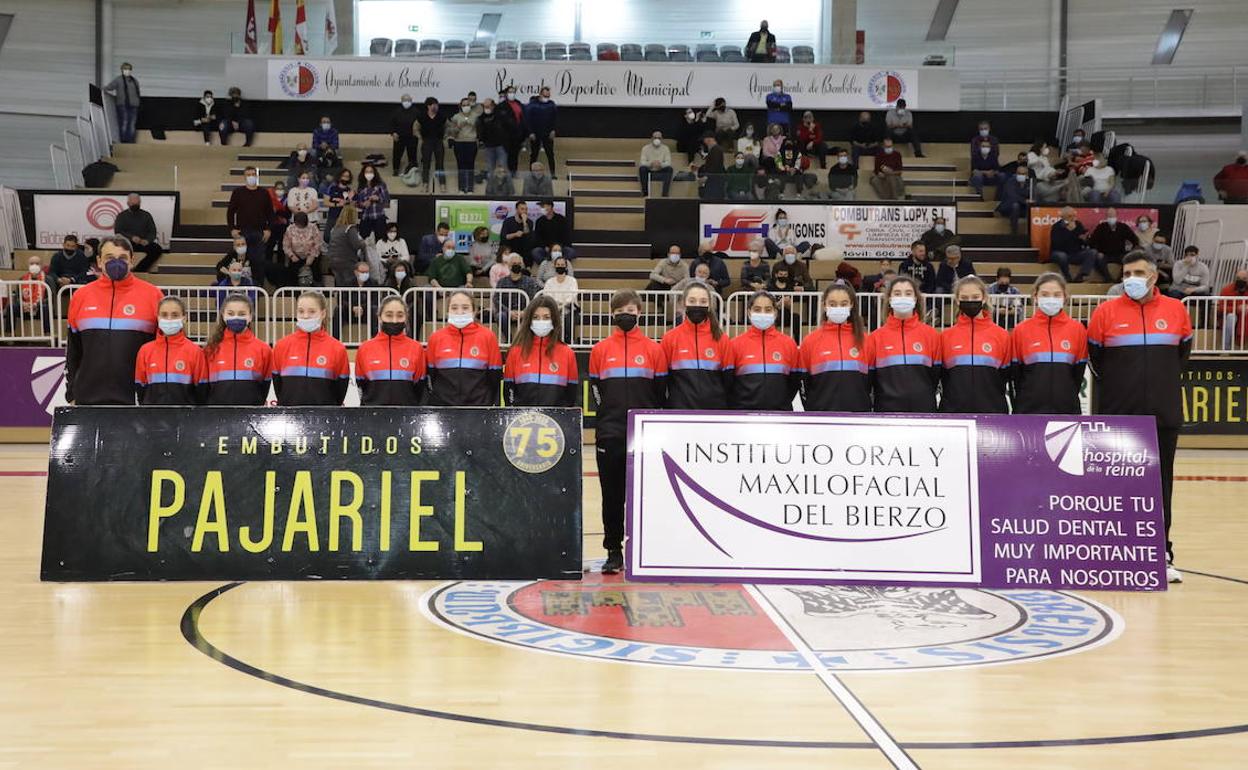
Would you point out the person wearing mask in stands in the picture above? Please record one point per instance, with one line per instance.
(760, 48)
(1068, 245)
(749, 146)
(791, 168)
(506, 304)
(1014, 199)
(237, 253)
(919, 267)
(655, 163)
(714, 260)
(1048, 182)
(250, 215)
(171, 370)
(540, 369)
(304, 197)
(782, 234)
(517, 232)
(833, 359)
(1050, 353)
(390, 367)
(495, 130)
(799, 272)
(109, 319)
(538, 184)
(899, 125)
(739, 180)
(431, 128)
(310, 367)
(136, 225)
(281, 220)
(512, 107)
(403, 136)
(1192, 278)
(668, 271)
(810, 139)
(236, 280)
(1232, 181)
(1138, 345)
(541, 115)
(985, 167)
(551, 228)
(1160, 252)
(70, 265)
(1104, 181)
(300, 162)
(1233, 313)
(324, 137)
(125, 90)
(1112, 239)
(401, 277)
(356, 307)
(699, 355)
(939, 237)
(371, 201)
(689, 135)
(842, 177)
(904, 353)
(975, 356)
(481, 252)
(755, 273)
(345, 248)
(392, 249)
(887, 178)
(722, 120)
(449, 270)
(206, 117)
(465, 365)
(239, 363)
(562, 287)
(430, 245)
(1004, 298)
(983, 135)
(767, 368)
(236, 117)
(711, 170)
(461, 131)
(876, 282)
(302, 246)
(953, 268)
(627, 370)
(779, 106)
(864, 138)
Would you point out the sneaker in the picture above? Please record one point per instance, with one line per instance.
(614, 563)
(1172, 574)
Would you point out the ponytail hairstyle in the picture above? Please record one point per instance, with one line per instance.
(711, 317)
(1056, 278)
(855, 313)
(524, 336)
(918, 295)
(218, 331)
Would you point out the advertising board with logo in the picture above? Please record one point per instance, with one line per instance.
(607, 84)
(847, 231)
(32, 385)
(466, 215)
(1215, 397)
(91, 215)
(992, 501)
(1044, 217)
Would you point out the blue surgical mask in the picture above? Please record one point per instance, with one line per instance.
(1135, 287)
(1050, 306)
(308, 325)
(762, 321)
(170, 326)
(116, 269)
(459, 320)
(837, 315)
(236, 325)
(902, 306)
(542, 327)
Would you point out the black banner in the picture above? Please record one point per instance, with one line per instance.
(1215, 397)
(171, 493)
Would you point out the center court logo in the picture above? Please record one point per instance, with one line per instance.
(850, 628)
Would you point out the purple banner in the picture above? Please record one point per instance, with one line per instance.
(995, 501)
(32, 383)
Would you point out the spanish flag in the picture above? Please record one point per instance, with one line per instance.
(275, 27)
(301, 28)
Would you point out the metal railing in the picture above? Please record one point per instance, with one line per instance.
(12, 226)
(426, 306)
(203, 304)
(27, 312)
(352, 315)
(1144, 90)
(1219, 324)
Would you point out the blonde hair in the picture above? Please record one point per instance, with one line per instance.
(348, 217)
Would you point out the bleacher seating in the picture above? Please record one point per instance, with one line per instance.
(631, 52)
(556, 52)
(782, 54)
(656, 52)
(607, 48)
(405, 48)
(430, 49)
(731, 54)
(803, 54)
(478, 50)
(530, 51)
(454, 49)
(579, 51)
(380, 46)
(506, 49)
(708, 57)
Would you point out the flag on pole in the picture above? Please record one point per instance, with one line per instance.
(275, 27)
(251, 41)
(301, 28)
(331, 30)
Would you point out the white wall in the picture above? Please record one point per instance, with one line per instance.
(48, 57)
(1105, 34)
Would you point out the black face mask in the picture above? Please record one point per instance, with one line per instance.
(516, 270)
(971, 307)
(697, 314)
(134, 207)
(393, 328)
(626, 322)
(561, 270)
(1241, 284)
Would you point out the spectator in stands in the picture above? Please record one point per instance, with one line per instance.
(739, 180)
(302, 246)
(70, 265)
(206, 116)
(722, 119)
(938, 237)
(481, 252)
(1104, 181)
(983, 135)
(1192, 278)
(431, 126)
(519, 130)
(461, 130)
(1077, 140)
(551, 228)
(760, 48)
(810, 139)
(325, 137)
(448, 269)
(668, 271)
(137, 225)
(1161, 253)
(562, 288)
(1020, 161)
(899, 123)
(541, 115)
(1145, 230)
(755, 273)
(1233, 313)
(711, 171)
(236, 253)
(1232, 181)
(250, 214)
(792, 263)
(538, 184)
(236, 116)
(281, 220)
(864, 138)
(953, 268)
(403, 136)
(125, 90)
(1112, 239)
(301, 161)
(357, 306)
(842, 177)
(304, 197)
(337, 194)
(1014, 199)
(517, 232)
(1048, 185)
(501, 266)
(401, 277)
(495, 130)
(985, 167)
(779, 106)
(34, 290)
(235, 279)
(772, 144)
(430, 246)
(393, 249)
(876, 281)
(719, 279)
(499, 184)
(749, 146)
(689, 140)
(346, 247)
(655, 163)
(887, 179)
(546, 268)
(1007, 303)
(920, 268)
(507, 305)
(781, 234)
(1068, 245)
(792, 166)
(780, 286)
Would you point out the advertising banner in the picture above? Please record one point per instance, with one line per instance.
(994, 501)
(171, 493)
(1044, 217)
(848, 231)
(32, 384)
(91, 215)
(606, 84)
(1215, 397)
(466, 215)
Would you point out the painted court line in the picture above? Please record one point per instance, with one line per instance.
(865, 719)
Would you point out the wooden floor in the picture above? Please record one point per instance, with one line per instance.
(360, 675)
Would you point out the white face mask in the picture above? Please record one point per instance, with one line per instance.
(740, 162)
(448, 253)
(656, 142)
(985, 151)
(983, 132)
(170, 326)
(902, 306)
(755, 255)
(555, 255)
(939, 228)
(777, 89)
(325, 126)
(673, 258)
(542, 327)
(406, 103)
(1135, 287)
(308, 325)
(837, 315)
(35, 269)
(762, 321)
(459, 320)
(790, 259)
(842, 159)
(362, 277)
(240, 250)
(1050, 306)
(253, 180)
(1111, 221)
(888, 150)
(465, 108)
(400, 275)
(369, 177)
(1022, 178)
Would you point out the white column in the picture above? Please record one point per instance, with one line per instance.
(107, 67)
(844, 30)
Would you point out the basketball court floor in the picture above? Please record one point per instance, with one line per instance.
(603, 674)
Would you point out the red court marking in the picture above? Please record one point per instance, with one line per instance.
(23, 473)
(1211, 478)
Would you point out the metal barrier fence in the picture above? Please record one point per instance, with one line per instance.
(27, 312)
(1219, 324)
(497, 309)
(12, 227)
(202, 308)
(589, 319)
(352, 314)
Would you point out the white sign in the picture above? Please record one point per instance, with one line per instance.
(850, 231)
(91, 215)
(815, 497)
(607, 84)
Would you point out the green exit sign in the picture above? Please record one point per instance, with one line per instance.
(413, 27)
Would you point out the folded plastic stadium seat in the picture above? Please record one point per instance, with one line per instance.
(506, 49)
(556, 52)
(478, 51)
(454, 49)
(708, 56)
(658, 48)
(803, 54)
(705, 47)
(381, 46)
(782, 54)
(531, 51)
(608, 48)
(681, 56)
(581, 56)
(578, 48)
(630, 52)
(430, 49)
(731, 53)
(676, 48)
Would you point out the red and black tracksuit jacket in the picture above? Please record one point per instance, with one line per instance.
(171, 371)
(541, 377)
(904, 357)
(390, 371)
(1050, 356)
(239, 370)
(699, 367)
(108, 322)
(465, 366)
(835, 370)
(310, 369)
(627, 370)
(976, 361)
(768, 371)
(1138, 351)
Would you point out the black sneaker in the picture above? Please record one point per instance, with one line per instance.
(614, 563)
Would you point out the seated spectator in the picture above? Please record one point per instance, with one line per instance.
(985, 168)
(655, 163)
(772, 144)
(796, 268)
(740, 180)
(1049, 183)
(546, 268)
(1161, 253)
(701, 277)
(1192, 278)
(749, 146)
(689, 138)
(1104, 181)
(499, 183)
(781, 234)
(792, 167)
(920, 268)
(1020, 161)
(551, 228)
(562, 288)
(877, 281)
(501, 266)
(507, 305)
(34, 291)
(953, 268)
(236, 117)
(355, 307)
(779, 106)
(1232, 181)
(430, 246)
(1077, 140)
(668, 271)
(842, 177)
(722, 119)
(70, 265)
(392, 248)
(302, 244)
(236, 253)
(887, 179)
(401, 277)
(760, 48)
(233, 278)
(810, 139)
(1112, 239)
(983, 135)
(481, 253)
(1233, 313)
(938, 237)
(449, 269)
(1014, 199)
(304, 197)
(755, 273)
(538, 183)
(206, 117)
(300, 162)
(136, 224)
(324, 137)
(1145, 230)
(864, 138)
(517, 231)
(782, 286)
(899, 124)
(1007, 303)
(710, 169)
(719, 279)
(1068, 245)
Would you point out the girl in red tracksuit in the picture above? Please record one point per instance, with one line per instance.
(240, 364)
(390, 367)
(768, 371)
(310, 367)
(540, 369)
(170, 370)
(834, 358)
(1050, 353)
(904, 353)
(465, 365)
(699, 356)
(975, 356)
